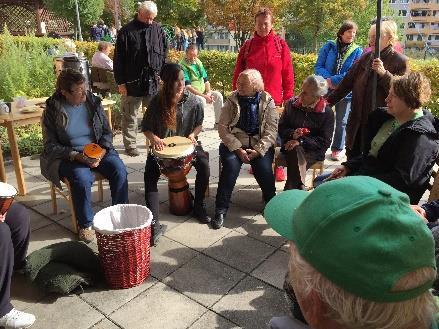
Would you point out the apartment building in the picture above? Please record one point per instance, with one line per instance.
(421, 22)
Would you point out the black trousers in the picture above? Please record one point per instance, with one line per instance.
(152, 175)
(14, 240)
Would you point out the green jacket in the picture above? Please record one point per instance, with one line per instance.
(194, 74)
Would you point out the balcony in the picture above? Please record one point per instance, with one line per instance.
(424, 6)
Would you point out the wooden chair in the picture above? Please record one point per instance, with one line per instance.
(279, 160)
(67, 196)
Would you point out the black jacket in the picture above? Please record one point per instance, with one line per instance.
(139, 56)
(406, 159)
(320, 123)
(56, 142)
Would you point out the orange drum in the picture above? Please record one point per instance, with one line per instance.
(93, 151)
(175, 162)
(7, 195)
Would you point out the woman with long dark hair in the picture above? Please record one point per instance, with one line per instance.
(174, 112)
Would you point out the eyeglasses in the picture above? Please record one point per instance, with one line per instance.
(79, 91)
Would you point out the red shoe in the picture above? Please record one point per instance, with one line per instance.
(279, 174)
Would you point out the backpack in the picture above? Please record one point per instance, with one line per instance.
(277, 43)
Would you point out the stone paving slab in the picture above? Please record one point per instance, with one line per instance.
(204, 279)
(159, 307)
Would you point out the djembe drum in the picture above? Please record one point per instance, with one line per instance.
(175, 162)
(7, 195)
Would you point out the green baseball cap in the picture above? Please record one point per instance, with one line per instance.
(359, 232)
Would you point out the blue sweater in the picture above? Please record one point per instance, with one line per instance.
(327, 61)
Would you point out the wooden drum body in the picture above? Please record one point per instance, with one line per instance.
(175, 162)
(7, 195)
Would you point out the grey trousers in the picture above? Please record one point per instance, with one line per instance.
(130, 106)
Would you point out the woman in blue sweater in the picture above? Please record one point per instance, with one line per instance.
(335, 59)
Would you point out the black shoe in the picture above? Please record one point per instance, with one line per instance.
(200, 213)
(218, 221)
(155, 235)
(132, 152)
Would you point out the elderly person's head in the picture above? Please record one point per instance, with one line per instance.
(347, 32)
(360, 256)
(263, 22)
(389, 34)
(71, 84)
(147, 11)
(249, 82)
(407, 94)
(313, 88)
(105, 47)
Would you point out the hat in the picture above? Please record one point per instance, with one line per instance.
(358, 232)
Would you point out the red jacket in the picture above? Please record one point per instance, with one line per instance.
(271, 56)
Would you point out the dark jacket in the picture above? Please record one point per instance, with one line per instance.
(56, 143)
(139, 56)
(359, 80)
(405, 160)
(190, 114)
(432, 210)
(320, 122)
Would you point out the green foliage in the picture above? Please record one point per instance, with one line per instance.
(25, 67)
(431, 69)
(89, 11)
(364, 17)
(184, 13)
(30, 139)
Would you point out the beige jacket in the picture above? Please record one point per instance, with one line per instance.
(235, 138)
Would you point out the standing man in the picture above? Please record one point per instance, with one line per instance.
(141, 50)
(196, 81)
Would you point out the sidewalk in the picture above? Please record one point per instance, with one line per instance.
(201, 278)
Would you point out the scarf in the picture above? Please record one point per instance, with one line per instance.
(342, 48)
(318, 108)
(249, 114)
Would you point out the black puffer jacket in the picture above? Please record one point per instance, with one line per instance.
(320, 122)
(56, 142)
(406, 159)
(139, 56)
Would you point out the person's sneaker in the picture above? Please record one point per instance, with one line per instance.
(86, 234)
(335, 155)
(279, 174)
(16, 319)
(132, 152)
(200, 213)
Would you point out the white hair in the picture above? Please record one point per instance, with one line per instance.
(319, 83)
(255, 78)
(355, 312)
(149, 6)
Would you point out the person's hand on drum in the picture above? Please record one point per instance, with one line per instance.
(297, 133)
(420, 211)
(209, 98)
(158, 143)
(339, 172)
(291, 144)
(242, 155)
(2, 217)
(192, 138)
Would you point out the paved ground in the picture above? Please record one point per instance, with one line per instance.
(201, 278)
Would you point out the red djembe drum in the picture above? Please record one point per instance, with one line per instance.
(175, 162)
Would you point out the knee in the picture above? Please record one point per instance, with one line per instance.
(18, 217)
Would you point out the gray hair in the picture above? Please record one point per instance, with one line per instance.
(255, 78)
(149, 6)
(318, 83)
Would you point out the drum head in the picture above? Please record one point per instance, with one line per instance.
(175, 147)
(7, 191)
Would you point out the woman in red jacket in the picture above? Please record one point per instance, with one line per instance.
(269, 54)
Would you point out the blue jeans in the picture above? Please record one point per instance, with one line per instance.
(342, 110)
(81, 179)
(231, 165)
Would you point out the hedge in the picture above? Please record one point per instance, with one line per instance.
(219, 66)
